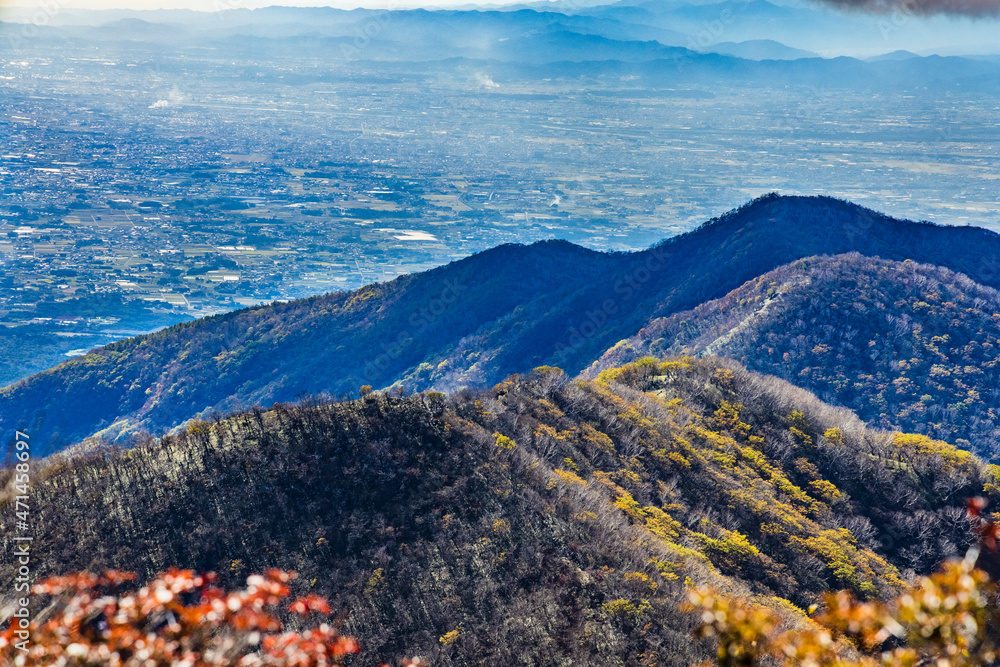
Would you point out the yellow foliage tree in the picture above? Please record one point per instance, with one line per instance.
(948, 619)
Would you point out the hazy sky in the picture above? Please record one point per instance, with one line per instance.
(909, 7)
(209, 5)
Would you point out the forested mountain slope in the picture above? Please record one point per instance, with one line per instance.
(907, 346)
(543, 520)
(469, 323)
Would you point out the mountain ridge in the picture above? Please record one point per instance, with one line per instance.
(543, 519)
(469, 323)
(908, 346)
(765, 39)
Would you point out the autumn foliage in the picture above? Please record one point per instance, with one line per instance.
(948, 619)
(548, 519)
(178, 619)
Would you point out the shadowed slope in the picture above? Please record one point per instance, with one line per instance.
(539, 521)
(906, 345)
(468, 323)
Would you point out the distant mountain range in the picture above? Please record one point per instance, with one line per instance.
(760, 49)
(754, 30)
(506, 310)
(541, 521)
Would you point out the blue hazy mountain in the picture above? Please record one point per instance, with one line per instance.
(760, 49)
(901, 54)
(807, 26)
(645, 32)
(700, 26)
(528, 44)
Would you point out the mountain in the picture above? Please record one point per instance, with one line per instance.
(135, 29)
(655, 45)
(741, 20)
(655, 34)
(895, 55)
(565, 45)
(469, 323)
(541, 521)
(804, 25)
(755, 30)
(908, 346)
(760, 49)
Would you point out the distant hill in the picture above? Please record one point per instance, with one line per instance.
(805, 25)
(542, 521)
(139, 30)
(895, 55)
(760, 49)
(743, 20)
(908, 346)
(663, 43)
(556, 45)
(746, 29)
(469, 323)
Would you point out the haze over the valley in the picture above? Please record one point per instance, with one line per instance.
(944, 27)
